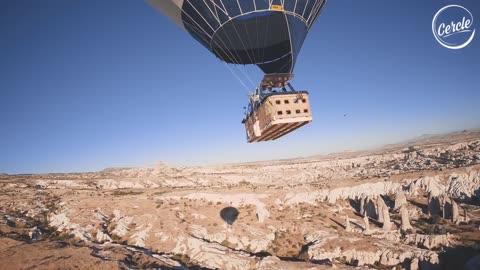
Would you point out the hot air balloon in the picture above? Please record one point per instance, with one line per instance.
(266, 33)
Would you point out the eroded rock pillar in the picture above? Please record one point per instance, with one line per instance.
(348, 227)
(405, 218)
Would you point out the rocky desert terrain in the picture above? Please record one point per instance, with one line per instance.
(407, 206)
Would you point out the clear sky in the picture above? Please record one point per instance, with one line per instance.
(86, 85)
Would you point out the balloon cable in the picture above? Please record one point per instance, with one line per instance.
(238, 78)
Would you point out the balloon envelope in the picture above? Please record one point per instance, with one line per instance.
(268, 33)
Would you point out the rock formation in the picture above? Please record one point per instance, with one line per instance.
(466, 219)
(357, 253)
(363, 198)
(412, 189)
(348, 227)
(366, 225)
(443, 201)
(455, 214)
(414, 264)
(405, 218)
(383, 214)
(400, 199)
(447, 207)
(387, 224)
(380, 205)
(428, 241)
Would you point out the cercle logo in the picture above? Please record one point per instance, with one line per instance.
(452, 27)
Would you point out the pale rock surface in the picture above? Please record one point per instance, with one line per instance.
(429, 241)
(414, 264)
(458, 185)
(371, 254)
(274, 263)
(234, 200)
(348, 227)
(122, 223)
(432, 185)
(466, 219)
(198, 216)
(380, 206)
(343, 193)
(387, 224)
(63, 224)
(463, 185)
(56, 184)
(366, 223)
(102, 237)
(163, 237)
(455, 214)
(400, 199)
(212, 255)
(363, 199)
(141, 235)
(405, 218)
(257, 240)
(325, 245)
(412, 189)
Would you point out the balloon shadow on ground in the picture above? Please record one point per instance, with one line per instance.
(229, 214)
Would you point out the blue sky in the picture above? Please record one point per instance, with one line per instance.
(86, 85)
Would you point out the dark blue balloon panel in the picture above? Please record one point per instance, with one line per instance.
(267, 33)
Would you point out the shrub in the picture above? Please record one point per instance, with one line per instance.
(182, 258)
